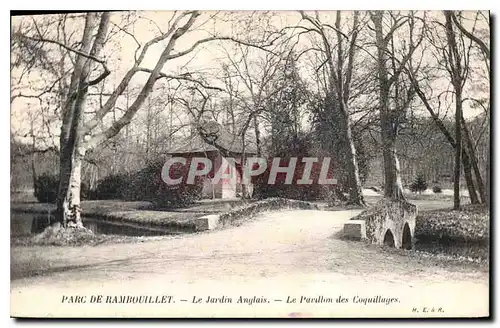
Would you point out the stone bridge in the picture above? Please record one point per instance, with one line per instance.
(389, 222)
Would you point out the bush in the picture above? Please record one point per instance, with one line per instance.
(113, 186)
(437, 189)
(85, 191)
(419, 184)
(147, 185)
(46, 187)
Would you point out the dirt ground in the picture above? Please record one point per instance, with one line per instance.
(276, 256)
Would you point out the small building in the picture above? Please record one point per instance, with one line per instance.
(217, 145)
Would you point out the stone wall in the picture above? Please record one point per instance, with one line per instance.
(248, 211)
(270, 204)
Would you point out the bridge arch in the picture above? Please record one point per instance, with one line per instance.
(407, 240)
(389, 238)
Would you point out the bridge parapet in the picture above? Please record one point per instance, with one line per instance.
(390, 222)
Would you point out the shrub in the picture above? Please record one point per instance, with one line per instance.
(46, 186)
(111, 187)
(419, 184)
(437, 189)
(85, 191)
(147, 185)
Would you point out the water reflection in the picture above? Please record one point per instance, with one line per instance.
(26, 224)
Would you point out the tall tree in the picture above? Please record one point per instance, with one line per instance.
(457, 77)
(484, 48)
(339, 67)
(283, 112)
(392, 112)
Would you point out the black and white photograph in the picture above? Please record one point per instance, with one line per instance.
(250, 164)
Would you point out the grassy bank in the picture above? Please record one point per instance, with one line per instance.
(461, 233)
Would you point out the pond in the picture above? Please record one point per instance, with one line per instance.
(26, 224)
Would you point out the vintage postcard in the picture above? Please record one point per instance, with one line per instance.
(257, 164)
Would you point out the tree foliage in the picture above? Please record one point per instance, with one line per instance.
(419, 184)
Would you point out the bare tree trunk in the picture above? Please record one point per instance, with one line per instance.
(257, 136)
(33, 172)
(355, 191)
(244, 189)
(71, 203)
(73, 130)
(469, 179)
(488, 179)
(456, 80)
(244, 129)
(393, 186)
(71, 167)
(458, 152)
(33, 157)
(148, 130)
(473, 162)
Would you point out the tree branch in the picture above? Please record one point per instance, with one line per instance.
(184, 77)
(78, 52)
(146, 89)
(484, 48)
